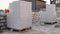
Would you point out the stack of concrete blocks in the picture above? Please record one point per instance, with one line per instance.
(35, 18)
(58, 16)
(49, 15)
(58, 11)
(42, 17)
(20, 15)
(3, 21)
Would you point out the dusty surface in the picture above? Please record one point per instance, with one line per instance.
(49, 29)
(26, 32)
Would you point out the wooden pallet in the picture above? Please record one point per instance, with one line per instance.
(16, 30)
(50, 23)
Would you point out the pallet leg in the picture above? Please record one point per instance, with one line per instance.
(11, 30)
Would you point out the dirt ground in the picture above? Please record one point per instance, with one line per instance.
(26, 32)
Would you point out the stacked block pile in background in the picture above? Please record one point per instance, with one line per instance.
(3, 20)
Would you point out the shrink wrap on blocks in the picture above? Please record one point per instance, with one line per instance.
(49, 15)
(20, 16)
